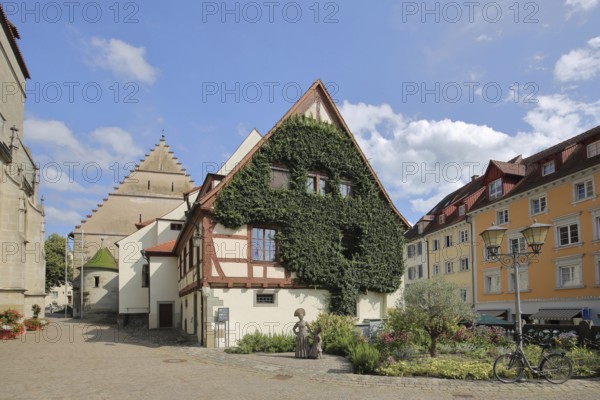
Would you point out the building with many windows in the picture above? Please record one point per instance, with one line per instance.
(440, 244)
(557, 186)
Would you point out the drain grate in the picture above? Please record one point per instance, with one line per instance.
(462, 396)
(174, 360)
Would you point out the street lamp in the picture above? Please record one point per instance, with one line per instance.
(535, 236)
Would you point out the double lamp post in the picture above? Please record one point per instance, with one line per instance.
(535, 236)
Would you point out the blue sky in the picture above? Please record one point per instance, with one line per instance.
(431, 90)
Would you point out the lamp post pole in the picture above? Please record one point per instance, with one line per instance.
(518, 324)
(535, 236)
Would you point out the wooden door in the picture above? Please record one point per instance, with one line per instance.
(165, 315)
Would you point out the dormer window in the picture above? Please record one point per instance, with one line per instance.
(593, 149)
(441, 219)
(461, 210)
(495, 189)
(548, 168)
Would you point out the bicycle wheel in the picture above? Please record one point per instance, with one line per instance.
(557, 368)
(508, 368)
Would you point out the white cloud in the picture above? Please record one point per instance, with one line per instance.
(56, 216)
(579, 64)
(122, 59)
(421, 161)
(484, 37)
(581, 5)
(68, 163)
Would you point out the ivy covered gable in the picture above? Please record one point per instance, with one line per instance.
(334, 226)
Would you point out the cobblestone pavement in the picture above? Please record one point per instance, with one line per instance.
(73, 360)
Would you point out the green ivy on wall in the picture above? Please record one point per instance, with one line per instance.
(311, 228)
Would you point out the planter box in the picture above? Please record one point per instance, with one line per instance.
(7, 335)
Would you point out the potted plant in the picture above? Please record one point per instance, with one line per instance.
(36, 309)
(10, 328)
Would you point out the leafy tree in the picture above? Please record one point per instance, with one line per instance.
(435, 307)
(55, 261)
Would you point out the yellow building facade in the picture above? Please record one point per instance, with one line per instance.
(559, 187)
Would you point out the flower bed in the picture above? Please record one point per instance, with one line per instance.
(35, 324)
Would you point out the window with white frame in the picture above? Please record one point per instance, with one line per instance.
(517, 244)
(464, 294)
(495, 189)
(523, 279)
(502, 217)
(410, 250)
(491, 281)
(436, 244)
(462, 209)
(441, 219)
(449, 267)
(567, 234)
(435, 270)
(596, 223)
(448, 240)
(54, 294)
(568, 271)
(537, 205)
(583, 190)
(487, 255)
(548, 168)
(464, 264)
(593, 149)
(415, 272)
(419, 248)
(463, 236)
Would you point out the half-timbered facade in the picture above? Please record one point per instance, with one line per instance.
(233, 278)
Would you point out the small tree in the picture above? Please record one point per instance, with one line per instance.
(55, 261)
(434, 306)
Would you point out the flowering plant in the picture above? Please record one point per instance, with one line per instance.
(10, 327)
(35, 324)
(10, 316)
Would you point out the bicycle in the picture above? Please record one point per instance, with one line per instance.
(555, 367)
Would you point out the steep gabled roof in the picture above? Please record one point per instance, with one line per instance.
(13, 34)
(315, 97)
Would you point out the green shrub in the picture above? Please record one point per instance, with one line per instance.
(338, 333)
(439, 368)
(259, 342)
(586, 362)
(364, 358)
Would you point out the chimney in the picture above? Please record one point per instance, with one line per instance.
(474, 177)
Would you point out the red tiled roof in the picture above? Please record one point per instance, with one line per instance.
(510, 168)
(166, 247)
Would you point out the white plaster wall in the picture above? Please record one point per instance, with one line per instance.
(231, 248)
(371, 306)
(163, 287)
(240, 231)
(246, 317)
(133, 298)
(252, 139)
